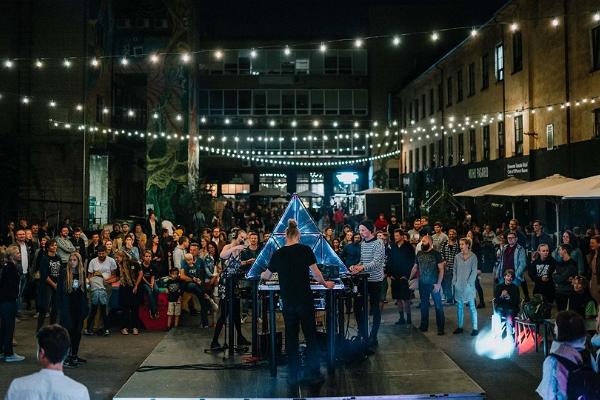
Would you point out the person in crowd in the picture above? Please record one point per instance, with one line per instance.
(568, 348)
(381, 223)
(540, 237)
(512, 257)
(101, 274)
(351, 252)
(140, 237)
(488, 242)
(566, 269)
(293, 262)
(513, 227)
(24, 265)
(179, 251)
(192, 278)
(130, 248)
(9, 235)
(35, 271)
(384, 237)
(336, 245)
(393, 225)
(429, 267)
(476, 249)
(105, 236)
(116, 232)
(44, 229)
(152, 225)
(50, 272)
(439, 237)
(125, 231)
(130, 278)
(72, 294)
(324, 222)
(254, 223)
(247, 258)
(79, 243)
(593, 262)
(35, 237)
(506, 298)
(347, 239)
(328, 233)
(541, 271)
(449, 250)
(92, 249)
(463, 282)
(338, 220)
(231, 256)
(157, 255)
(413, 235)
(174, 293)
(9, 292)
(149, 283)
(372, 260)
(199, 221)
(425, 227)
(168, 225)
(110, 250)
(64, 245)
(50, 382)
(582, 302)
(216, 238)
(400, 262)
(569, 238)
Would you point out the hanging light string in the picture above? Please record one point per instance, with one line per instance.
(185, 57)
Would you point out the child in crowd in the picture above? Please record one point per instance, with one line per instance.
(174, 296)
(582, 302)
(507, 298)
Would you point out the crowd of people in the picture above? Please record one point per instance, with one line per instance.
(70, 277)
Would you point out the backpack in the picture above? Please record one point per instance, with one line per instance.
(536, 309)
(583, 383)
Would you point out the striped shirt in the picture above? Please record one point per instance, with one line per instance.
(372, 256)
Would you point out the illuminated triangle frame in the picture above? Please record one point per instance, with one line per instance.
(310, 235)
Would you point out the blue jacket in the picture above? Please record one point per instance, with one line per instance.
(351, 254)
(520, 265)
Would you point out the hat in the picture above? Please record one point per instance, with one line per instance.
(368, 224)
(179, 232)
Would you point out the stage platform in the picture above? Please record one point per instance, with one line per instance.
(406, 366)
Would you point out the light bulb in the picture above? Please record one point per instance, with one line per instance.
(316, 123)
(555, 22)
(52, 104)
(203, 120)
(39, 64)
(67, 63)
(227, 121)
(218, 54)
(287, 51)
(596, 16)
(154, 58)
(94, 62)
(514, 26)
(155, 115)
(272, 123)
(323, 48)
(253, 53)
(435, 36)
(396, 40)
(185, 57)
(293, 123)
(250, 122)
(79, 107)
(124, 61)
(130, 113)
(358, 43)
(178, 117)
(473, 32)
(25, 100)
(105, 110)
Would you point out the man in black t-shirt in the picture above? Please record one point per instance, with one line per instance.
(292, 264)
(50, 271)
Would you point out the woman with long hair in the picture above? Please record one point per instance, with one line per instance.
(148, 282)
(476, 249)
(130, 277)
(140, 237)
(9, 291)
(157, 255)
(73, 304)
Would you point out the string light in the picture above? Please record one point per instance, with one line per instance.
(94, 62)
(514, 26)
(178, 117)
(596, 17)
(396, 40)
(250, 122)
(8, 63)
(79, 107)
(253, 53)
(293, 123)
(435, 36)
(473, 32)
(124, 61)
(130, 113)
(358, 43)
(155, 115)
(25, 100)
(39, 64)
(52, 104)
(67, 63)
(555, 22)
(185, 58)
(203, 120)
(287, 51)
(218, 54)
(105, 110)
(323, 47)
(154, 58)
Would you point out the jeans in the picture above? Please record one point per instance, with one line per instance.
(447, 285)
(152, 293)
(295, 316)
(374, 293)
(426, 290)
(460, 307)
(8, 313)
(197, 290)
(49, 302)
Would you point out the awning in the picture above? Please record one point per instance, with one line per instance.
(532, 188)
(308, 193)
(577, 189)
(378, 191)
(483, 190)
(269, 192)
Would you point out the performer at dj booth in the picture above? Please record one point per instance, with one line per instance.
(292, 263)
(372, 260)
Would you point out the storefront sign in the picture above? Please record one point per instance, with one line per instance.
(476, 173)
(517, 168)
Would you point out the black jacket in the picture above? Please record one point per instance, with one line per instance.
(9, 283)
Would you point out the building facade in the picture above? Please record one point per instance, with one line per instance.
(519, 97)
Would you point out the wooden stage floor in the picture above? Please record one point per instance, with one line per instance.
(406, 365)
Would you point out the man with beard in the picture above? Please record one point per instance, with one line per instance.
(101, 272)
(541, 270)
(449, 251)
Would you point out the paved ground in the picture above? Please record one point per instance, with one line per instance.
(113, 359)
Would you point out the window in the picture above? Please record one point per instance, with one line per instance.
(410, 161)
(99, 107)
(417, 160)
(345, 102)
(597, 122)
(331, 64)
(517, 42)
(432, 155)
(471, 79)
(440, 89)
(450, 151)
(235, 188)
(361, 102)
(486, 142)
(550, 136)
(203, 102)
(472, 146)
(410, 111)
(449, 89)
(216, 102)
(461, 148)
(416, 102)
(424, 156)
(230, 62)
(459, 84)
(245, 102)
(499, 60)
(230, 102)
(519, 135)
(274, 181)
(302, 103)
(316, 102)
(345, 62)
(244, 64)
(331, 102)
(273, 102)
(259, 100)
(501, 140)
(485, 71)
(423, 106)
(596, 48)
(287, 102)
(431, 106)
(440, 153)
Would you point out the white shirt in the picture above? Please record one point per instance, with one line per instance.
(24, 257)
(105, 268)
(47, 384)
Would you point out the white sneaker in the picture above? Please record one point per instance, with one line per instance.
(14, 358)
